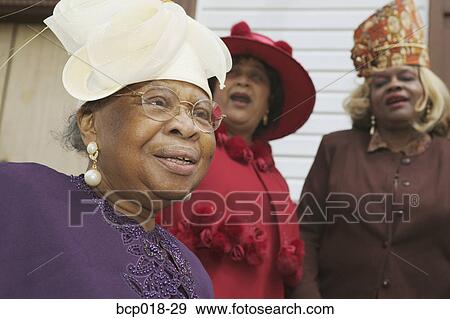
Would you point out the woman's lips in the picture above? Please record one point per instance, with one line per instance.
(396, 101)
(180, 160)
(176, 166)
(398, 105)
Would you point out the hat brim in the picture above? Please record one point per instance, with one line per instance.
(76, 74)
(298, 88)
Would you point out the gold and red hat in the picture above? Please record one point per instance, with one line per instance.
(392, 36)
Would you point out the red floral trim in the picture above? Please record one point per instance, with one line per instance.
(260, 152)
(221, 243)
(237, 253)
(256, 246)
(241, 244)
(206, 237)
(232, 241)
(238, 149)
(290, 262)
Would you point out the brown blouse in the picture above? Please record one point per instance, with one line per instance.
(376, 224)
(415, 147)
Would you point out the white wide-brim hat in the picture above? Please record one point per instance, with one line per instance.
(114, 43)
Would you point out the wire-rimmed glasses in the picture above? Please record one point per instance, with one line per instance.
(162, 104)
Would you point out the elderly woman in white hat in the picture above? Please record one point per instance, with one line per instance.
(147, 125)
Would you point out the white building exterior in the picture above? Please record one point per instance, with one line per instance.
(321, 34)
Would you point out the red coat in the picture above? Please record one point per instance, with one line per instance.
(237, 220)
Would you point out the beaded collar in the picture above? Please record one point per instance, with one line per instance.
(259, 154)
(160, 269)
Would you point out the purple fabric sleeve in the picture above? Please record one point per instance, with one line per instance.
(56, 243)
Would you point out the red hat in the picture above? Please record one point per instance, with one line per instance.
(298, 88)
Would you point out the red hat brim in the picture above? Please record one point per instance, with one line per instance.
(298, 88)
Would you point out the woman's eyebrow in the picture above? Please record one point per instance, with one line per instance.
(259, 68)
(407, 71)
(192, 97)
(380, 76)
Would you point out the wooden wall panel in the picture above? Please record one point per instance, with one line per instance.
(189, 6)
(35, 12)
(6, 37)
(36, 105)
(257, 5)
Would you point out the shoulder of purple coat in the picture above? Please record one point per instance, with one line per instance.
(24, 183)
(28, 171)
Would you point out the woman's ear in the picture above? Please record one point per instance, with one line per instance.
(86, 124)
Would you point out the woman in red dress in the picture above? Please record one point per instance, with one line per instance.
(240, 221)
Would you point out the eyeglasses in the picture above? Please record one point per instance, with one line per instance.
(162, 104)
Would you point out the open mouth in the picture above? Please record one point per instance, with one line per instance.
(181, 161)
(178, 160)
(241, 99)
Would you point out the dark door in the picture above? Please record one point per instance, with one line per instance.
(440, 38)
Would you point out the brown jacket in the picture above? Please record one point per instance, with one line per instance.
(376, 224)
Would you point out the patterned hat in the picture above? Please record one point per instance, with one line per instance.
(392, 36)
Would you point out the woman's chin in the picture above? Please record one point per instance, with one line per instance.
(172, 195)
(238, 119)
(399, 122)
(168, 186)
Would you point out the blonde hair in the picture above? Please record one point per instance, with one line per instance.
(436, 99)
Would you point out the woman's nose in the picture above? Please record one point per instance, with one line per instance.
(395, 84)
(243, 80)
(182, 124)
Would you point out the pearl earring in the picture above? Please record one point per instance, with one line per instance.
(93, 176)
(372, 125)
(265, 119)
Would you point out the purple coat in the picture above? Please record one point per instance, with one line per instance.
(59, 240)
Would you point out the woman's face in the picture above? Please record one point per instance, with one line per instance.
(245, 98)
(394, 93)
(138, 153)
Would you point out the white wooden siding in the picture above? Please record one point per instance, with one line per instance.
(321, 34)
